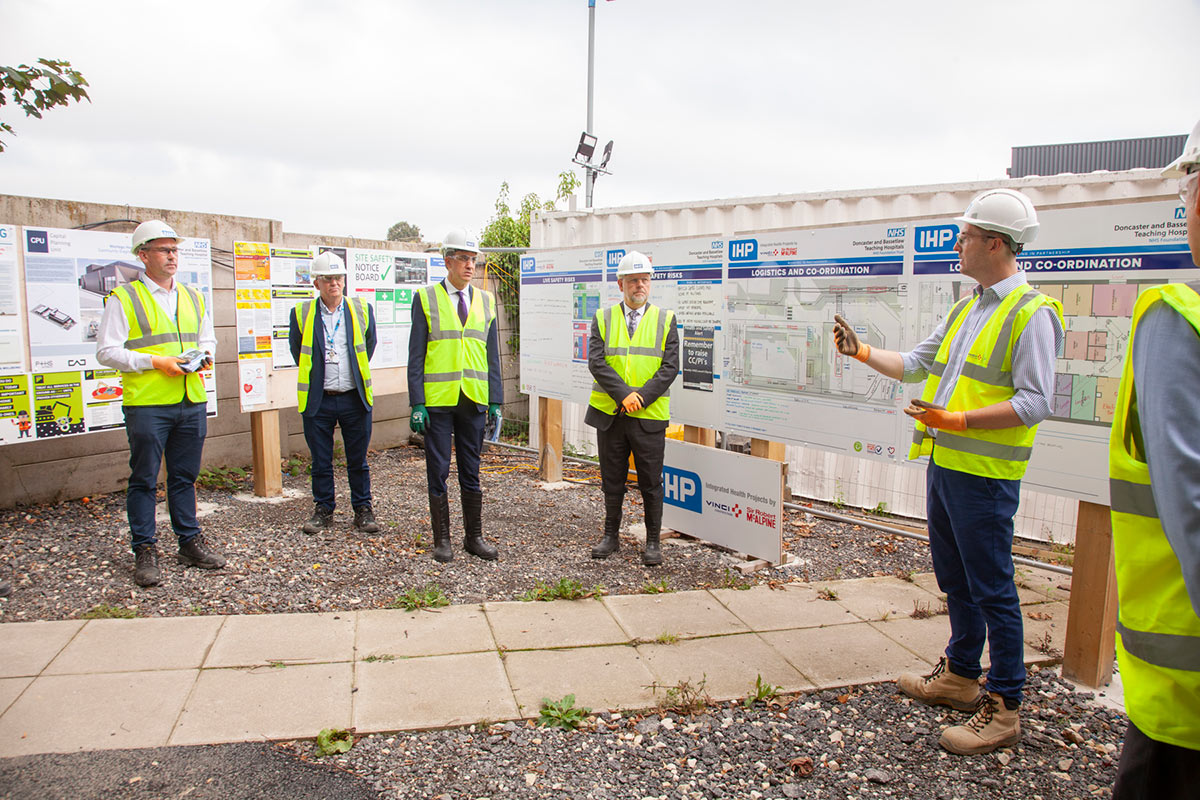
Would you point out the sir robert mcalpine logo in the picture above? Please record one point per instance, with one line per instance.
(760, 517)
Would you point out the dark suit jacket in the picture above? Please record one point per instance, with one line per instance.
(316, 378)
(615, 387)
(418, 342)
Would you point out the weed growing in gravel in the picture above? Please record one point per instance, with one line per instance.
(732, 581)
(684, 697)
(565, 589)
(334, 740)
(430, 596)
(908, 576)
(371, 659)
(880, 510)
(561, 713)
(666, 638)
(228, 479)
(661, 586)
(923, 610)
(761, 693)
(827, 594)
(295, 467)
(1046, 645)
(105, 611)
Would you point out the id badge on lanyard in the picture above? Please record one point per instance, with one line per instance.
(331, 354)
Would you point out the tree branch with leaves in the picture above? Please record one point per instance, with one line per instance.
(39, 88)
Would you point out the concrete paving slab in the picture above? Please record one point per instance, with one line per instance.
(684, 614)
(288, 638)
(924, 638)
(844, 655)
(244, 705)
(728, 665)
(928, 582)
(10, 690)
(64, 713)
(452, 629)
(1036, 585)
(432, 692)
(795, 605)
(137, 645)
(559, 623)
(599, 677)
(879, 598)
(1044, 620)
(29, 646)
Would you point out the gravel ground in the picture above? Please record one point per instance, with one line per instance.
(68, 558)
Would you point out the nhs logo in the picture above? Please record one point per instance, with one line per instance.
(37, 242)
(743, 250)
(892, 233)
(528, 263)
(1179, 213)
(614, 257)
(681, 488)
(935, 238)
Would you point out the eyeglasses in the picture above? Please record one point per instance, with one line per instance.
(466, 258)
(331, 278)
(962, 237)
(1188, 186)
(166, 251)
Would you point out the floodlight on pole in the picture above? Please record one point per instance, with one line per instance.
(588, 141)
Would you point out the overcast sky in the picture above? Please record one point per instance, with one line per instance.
(342, 118)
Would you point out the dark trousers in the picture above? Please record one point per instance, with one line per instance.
(348, 411)
(464, 423)
(176, 433)
(1154, 770)
(623, 437)
(970, 540)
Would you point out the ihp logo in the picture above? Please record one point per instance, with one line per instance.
(614, 257)
(528, 263)
(935, 238)
(682, 489)
(37, 242)
(743, 250)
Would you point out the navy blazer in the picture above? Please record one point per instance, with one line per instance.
(316, 378)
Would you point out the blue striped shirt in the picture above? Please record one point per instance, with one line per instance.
(1032, 359)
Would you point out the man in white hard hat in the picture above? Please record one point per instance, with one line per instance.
(332, 339)
(1154, 488)
(147, 326)
(454, 384)
(989, 379)
(633, 355)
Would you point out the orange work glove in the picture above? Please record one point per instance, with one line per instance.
(633, 402)
(847, 341)
(932, 416)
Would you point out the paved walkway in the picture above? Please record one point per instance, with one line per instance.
(100, 684)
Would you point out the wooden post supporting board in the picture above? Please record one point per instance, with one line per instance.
(550, 439)
(776, 451)
(698, 435)
(264, 440)
(1092, 616)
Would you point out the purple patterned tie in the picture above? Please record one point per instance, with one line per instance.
(462, 306)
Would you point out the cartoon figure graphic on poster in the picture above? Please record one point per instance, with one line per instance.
(23, 424)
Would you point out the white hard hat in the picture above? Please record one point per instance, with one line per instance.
(459, 239)
(150, 230)
(1003, 211)
(326, 264)
(634, 263)
(1188, 159)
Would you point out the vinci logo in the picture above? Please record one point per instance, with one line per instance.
(528, 263)
(935, 238)
(36, 242)
(614, 257)
(743, 250)
(682, 488)
(734, 510)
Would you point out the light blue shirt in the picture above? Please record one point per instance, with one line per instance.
(338, 377)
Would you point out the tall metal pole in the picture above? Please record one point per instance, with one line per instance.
(590, 179)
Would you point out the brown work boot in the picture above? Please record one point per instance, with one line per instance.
(145, 566)
(941, 687)
(993, 725)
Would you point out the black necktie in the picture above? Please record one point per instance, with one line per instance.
(462, 307)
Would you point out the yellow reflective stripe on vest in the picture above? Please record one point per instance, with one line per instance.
(153, 332)
(456, 354)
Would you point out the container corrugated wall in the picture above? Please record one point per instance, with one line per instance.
(1083, 157)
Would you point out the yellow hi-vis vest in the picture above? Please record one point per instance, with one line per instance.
(152, 331)
(1158, 632)
(986, 379)
(306, 313)
(456, 358)
(634, 360)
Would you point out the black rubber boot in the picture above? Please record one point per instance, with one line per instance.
(473, 542)
(612, 527)
(439, 519)
(652, 555)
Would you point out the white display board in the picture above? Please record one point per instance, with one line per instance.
(777, 374)
(723, 497)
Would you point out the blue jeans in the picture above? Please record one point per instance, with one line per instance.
(348, 411)
(970, 539)
(464, 423)
(176, 432)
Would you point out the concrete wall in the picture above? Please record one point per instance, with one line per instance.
(77, 466)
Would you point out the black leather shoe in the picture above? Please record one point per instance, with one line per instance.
(193, 553)
(364, 520)
(145, 566)
(322, 518)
